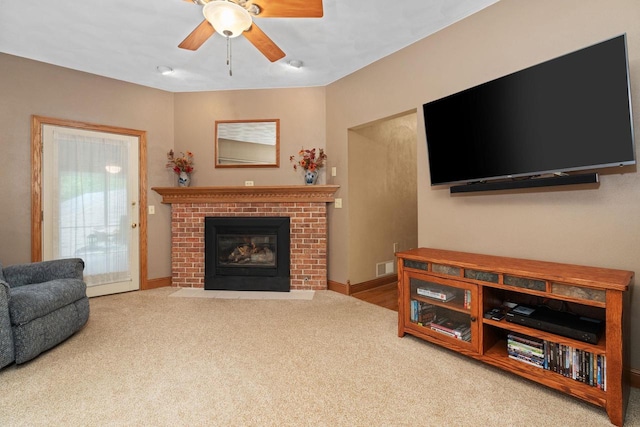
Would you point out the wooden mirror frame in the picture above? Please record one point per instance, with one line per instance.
(248, 163)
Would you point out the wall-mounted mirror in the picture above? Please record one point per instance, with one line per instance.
(248, 143)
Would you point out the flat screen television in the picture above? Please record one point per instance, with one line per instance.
(567, 114)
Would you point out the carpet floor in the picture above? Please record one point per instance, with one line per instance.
(201, 293)
(148, 359)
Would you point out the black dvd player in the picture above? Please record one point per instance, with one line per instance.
(561, 323)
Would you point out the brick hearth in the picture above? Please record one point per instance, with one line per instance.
(305, 205)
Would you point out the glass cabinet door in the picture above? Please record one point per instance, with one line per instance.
(443, 308)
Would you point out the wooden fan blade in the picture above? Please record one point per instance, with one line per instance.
(290, 8)
(198, 36)
(263, 43)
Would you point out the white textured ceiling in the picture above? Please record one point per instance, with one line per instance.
(127, 40)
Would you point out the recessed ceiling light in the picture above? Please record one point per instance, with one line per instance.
(295, 63)
(164, 70)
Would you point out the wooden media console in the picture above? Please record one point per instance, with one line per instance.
(447, 297)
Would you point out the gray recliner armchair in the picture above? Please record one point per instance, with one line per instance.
(41, 305)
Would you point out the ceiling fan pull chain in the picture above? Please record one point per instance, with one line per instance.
(229, 55)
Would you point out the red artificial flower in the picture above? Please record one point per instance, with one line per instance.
(184, 163)
(308, 159)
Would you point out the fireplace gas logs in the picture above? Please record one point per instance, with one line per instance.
(251, 254)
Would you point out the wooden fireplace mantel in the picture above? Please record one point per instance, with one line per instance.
(238, 194)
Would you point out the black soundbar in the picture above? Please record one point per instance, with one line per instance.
(584, 178)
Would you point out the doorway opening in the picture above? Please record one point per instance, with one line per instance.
(383, 197)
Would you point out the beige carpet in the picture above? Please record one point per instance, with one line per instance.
(201, 293)
(147, 359)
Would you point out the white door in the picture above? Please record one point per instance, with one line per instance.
(90, 203)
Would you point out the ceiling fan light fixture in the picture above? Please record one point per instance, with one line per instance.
(227, 18)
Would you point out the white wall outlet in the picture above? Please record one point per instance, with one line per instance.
(396, 246)
(338, 203)
(248, 183)
(152, 210)
(334, 171)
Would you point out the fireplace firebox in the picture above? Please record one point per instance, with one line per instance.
(247, 253)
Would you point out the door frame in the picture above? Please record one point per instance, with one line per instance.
(37, 122)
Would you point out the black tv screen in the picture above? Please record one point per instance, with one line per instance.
(567, 114)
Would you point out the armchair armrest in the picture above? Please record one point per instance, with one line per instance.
(39, 272)
(7, 354)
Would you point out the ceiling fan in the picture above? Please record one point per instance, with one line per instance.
(231, 18)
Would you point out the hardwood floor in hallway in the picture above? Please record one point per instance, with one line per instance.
(384, 296)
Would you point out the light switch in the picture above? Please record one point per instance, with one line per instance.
(152, 210)
(334, 171)
(338, 203)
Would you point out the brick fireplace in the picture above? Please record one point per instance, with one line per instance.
(306, 206)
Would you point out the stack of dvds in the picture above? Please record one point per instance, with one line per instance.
(467, 299)
(577, 364)
(445, 326)
(439, 294)
(580, 365)
(526, 349)
(422, 313)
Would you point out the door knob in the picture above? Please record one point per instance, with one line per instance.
(134, 225)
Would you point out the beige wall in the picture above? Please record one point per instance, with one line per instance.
(302, 123)
(384, 199)
(30, 87)
(185, 120)
(598, 227)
